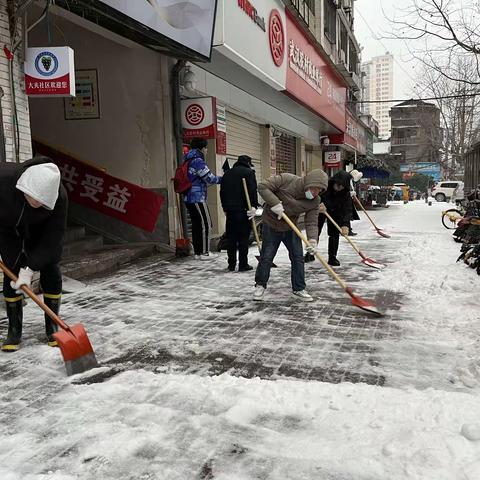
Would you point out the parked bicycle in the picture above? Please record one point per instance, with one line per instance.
(466, 208)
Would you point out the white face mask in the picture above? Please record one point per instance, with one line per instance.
(309, 195)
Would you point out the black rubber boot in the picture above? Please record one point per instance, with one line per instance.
(333, 242)
(53, 302)
(15, 321)
(333, 262)
(309, 258)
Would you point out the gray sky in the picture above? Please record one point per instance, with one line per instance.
(373, 13)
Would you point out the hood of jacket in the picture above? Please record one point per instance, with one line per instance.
(342, 178)
(194, 153)
(42, 183)
(316, 178)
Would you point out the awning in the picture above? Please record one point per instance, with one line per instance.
(373, 167)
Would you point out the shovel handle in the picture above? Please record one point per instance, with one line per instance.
(363, 208)
(346, 237)
(319, 257)
(35, 298)
(249, 205)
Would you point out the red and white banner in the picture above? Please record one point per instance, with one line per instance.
(109, 195)
(199, 117)
(333, 159)
(50, 72)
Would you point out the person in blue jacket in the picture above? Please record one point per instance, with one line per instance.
(196, 198)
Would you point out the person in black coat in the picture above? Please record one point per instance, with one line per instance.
(234, 203)
(33, 211)
(338, 203)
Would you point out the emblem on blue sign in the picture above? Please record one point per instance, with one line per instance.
(46, 64)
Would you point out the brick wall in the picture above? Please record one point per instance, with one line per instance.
(25, 151)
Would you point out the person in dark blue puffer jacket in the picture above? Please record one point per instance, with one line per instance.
(196, 198)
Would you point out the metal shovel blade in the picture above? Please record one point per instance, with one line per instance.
(372, 263)
(77, 351)
(364, 304)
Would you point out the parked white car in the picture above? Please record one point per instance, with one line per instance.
(443, 191)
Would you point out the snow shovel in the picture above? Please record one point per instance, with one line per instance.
(73, 341)
(379, 231)
(356, 301)
(367, 261)
(254, 225)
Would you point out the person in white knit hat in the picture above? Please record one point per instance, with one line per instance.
(33, 213)
(356, 176)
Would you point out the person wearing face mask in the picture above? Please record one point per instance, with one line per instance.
(33, 215)
(292, 195)
(337, 201)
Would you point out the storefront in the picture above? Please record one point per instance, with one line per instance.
(120, 122)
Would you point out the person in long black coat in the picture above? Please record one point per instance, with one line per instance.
(338, 203)
(33, 211)
(234, 203)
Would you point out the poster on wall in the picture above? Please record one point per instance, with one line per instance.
(199, 117)
(189, 23)
(221, 130)
(50, 72)
(85, 105)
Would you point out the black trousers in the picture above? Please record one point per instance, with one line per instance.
(238, 229)
(201, 226)
(333, 235)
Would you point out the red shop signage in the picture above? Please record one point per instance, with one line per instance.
(354, 136)
(109, 195)
(310, 80)
(199, 117)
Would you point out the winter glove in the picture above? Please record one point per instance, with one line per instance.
(345, 231)
(353, 193)
(322, 208)
(24, 278)
(251, 213)
(278, 210)
(312, 247)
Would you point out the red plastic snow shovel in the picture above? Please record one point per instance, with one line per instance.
(379, 231)
(73, 341)
(254, 225)
(356, 301)
(366, 260)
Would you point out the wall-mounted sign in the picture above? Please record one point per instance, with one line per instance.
(50, 72)
(199, 117)
(189, 23)
(333, 159)
(221, 130)
(252, 12)
(276, 37)
(305, 67)
(85, 105)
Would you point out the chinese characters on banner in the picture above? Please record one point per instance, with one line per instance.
(111, 196)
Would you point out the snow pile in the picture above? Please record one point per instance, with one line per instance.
(140, 425)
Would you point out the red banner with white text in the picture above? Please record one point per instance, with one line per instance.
(93, 188)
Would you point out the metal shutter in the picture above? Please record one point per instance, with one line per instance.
(286, 154)
(244, 138)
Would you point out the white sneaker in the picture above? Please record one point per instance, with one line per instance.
(303, 296)
(206, 256)
(258, 293)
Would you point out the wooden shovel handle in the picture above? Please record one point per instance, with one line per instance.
(319, 257)
(34, 297)
(346, 237)
(249, 205)
(363, 208)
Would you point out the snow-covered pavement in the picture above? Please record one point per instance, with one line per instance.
(197, 382)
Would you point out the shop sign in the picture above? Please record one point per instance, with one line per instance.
(355, 135)
(311, 81)
(199, 117)
(252, 12)
(221, 130)
(50, 72)
(95, 189)
(190, 24)
(430, 169)
(333, 159)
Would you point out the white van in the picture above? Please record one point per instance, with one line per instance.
(443, 191)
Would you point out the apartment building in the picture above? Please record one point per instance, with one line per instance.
(378, 86)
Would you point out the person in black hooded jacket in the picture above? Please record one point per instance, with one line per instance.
(33, 211)
(234, 203)
(338, 203)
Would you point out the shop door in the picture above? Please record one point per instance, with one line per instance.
(244, 138)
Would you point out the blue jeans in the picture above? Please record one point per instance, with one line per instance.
(270, 243)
